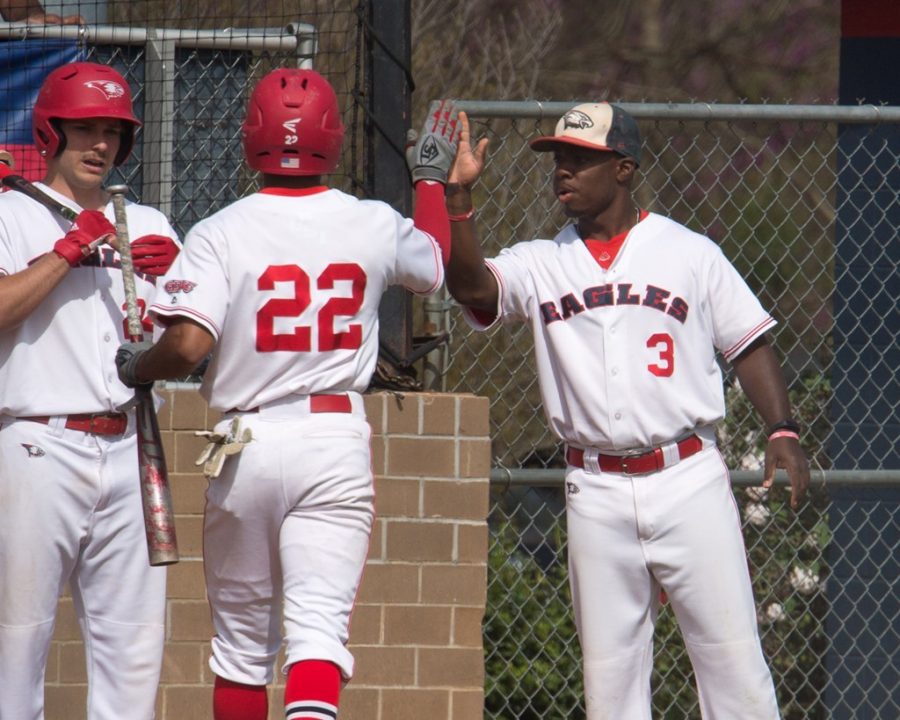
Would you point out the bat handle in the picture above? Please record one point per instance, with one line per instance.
(132, 311)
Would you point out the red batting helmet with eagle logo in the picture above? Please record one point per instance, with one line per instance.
(77, 91)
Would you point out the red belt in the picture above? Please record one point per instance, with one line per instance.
(94, 423)
(319, 404)
(636, 464)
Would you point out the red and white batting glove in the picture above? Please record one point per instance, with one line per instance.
(90, 229)
(153, 254)
(429, 153)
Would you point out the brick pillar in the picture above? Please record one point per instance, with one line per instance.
(416, 631)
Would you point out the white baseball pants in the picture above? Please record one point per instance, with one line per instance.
(678, 529)
(71, 512)
(287, 530)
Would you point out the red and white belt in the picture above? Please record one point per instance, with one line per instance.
(639, 464)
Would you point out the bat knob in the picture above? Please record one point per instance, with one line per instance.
(117, 189)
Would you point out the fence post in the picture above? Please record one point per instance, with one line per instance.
(387, 119)
(863, 656)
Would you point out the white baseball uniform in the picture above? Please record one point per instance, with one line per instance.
(626, 358)
(289, 284)
(71, 507)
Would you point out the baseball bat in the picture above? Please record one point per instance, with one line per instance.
(20, 184)
(156, 497)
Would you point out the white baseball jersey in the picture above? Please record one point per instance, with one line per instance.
(61, 359)
(71, 499)
(289, 284)
(626, 356)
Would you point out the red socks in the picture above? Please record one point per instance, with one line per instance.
(312, 691)
(234, 701)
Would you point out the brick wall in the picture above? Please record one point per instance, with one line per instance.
(416, 632)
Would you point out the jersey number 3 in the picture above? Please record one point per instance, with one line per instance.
(300, 340)
(663, 344)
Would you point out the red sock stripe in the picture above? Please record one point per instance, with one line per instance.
(312, 691)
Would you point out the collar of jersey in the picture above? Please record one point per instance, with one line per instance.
(605, 251)
(294, 192)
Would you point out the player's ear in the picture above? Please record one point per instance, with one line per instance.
(625, 167)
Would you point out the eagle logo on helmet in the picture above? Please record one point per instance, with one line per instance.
(109, 88)
(577, 119)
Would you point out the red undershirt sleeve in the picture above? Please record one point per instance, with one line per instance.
(430, 214)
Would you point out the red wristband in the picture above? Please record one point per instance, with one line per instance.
(459, 218)
(783, 433)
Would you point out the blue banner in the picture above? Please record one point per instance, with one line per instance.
(23, 66)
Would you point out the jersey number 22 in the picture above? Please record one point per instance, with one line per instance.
(300, 340)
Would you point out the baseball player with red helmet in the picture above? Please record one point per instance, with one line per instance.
(627, 309)
(71, 507)
(283, 287)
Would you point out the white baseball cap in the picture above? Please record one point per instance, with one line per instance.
(599, 126)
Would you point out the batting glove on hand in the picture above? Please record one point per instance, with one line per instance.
(430, 153)
(153, 254)
(90, 229)
(128, 356)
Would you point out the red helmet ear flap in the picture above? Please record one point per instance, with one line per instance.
(77, 91)
(293, 124)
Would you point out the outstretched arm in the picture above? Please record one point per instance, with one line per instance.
(468, 278)
(762, 380)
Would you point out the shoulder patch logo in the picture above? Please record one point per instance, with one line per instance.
(177, 286)
(577, 119)
(33, 450)
(109, 88)
(572, 488)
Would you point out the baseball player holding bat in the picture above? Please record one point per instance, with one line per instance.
(627, 310)
(71, 504)
(283, 286)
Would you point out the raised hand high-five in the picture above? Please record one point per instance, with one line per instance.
(468, 163)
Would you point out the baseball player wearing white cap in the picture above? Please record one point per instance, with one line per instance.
(627, 310)
(71, 504)
(283, 287)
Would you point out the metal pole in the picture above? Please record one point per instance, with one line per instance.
(387, 122)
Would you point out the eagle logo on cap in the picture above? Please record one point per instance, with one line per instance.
(577, 119)
(109, 88)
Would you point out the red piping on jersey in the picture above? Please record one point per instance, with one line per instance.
(294, 192)
(738, 347)
(168, 312)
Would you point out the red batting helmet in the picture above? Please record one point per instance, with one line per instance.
(293, 124)
(77, 91)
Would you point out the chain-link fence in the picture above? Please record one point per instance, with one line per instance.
(191, 71)
(532, 654)
(766, 183)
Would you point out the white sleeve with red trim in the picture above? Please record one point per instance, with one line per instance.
(738, 318)
(418, 266)
(197, 284)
